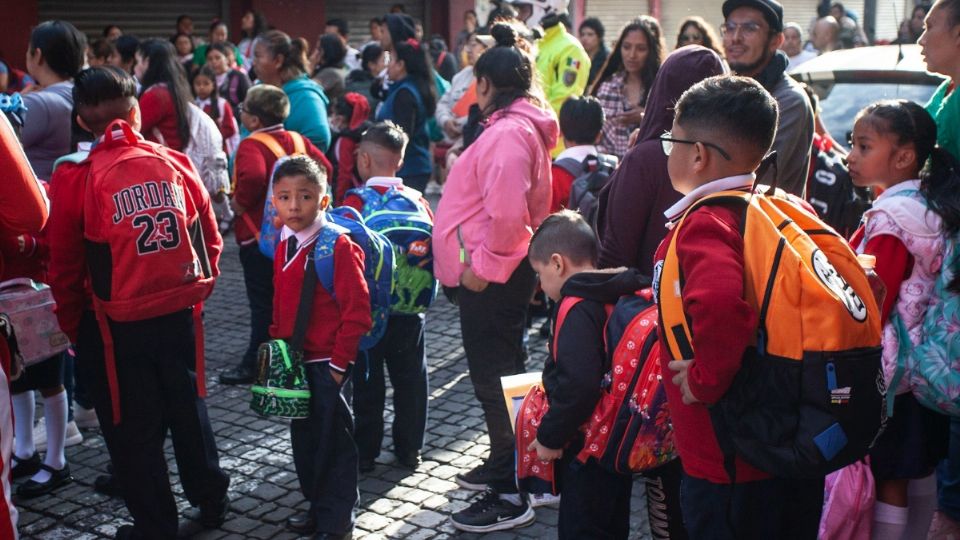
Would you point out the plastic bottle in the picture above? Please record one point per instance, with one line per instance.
(869, 264)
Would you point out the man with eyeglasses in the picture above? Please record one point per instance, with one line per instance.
(752, 34)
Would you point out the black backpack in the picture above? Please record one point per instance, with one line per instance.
(831, 192)
(590, 175)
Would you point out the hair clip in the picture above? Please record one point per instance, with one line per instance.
(413, 43)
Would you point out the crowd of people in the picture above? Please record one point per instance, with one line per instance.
(572, 171)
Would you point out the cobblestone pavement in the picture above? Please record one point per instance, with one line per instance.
(395, 503)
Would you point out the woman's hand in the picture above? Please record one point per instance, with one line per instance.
(631, 117)
(452, 128)
(472, 281)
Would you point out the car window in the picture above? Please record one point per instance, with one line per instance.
(844, 100)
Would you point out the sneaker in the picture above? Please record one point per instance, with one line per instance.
(943, 528)
(476, 479)
(85, 418)
(74, 437)
(492, 513)
(544, 499)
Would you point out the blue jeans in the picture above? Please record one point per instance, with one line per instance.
(948, 475)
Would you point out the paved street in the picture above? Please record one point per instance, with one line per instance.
(255, 451)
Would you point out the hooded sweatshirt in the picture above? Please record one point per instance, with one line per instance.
(573, 372)
(308, 111)
(345, 148)
(630, 220)
(496, 195)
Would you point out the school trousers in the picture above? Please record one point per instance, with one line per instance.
(779, 508)
(258, 280)
(594, 502)
(155, 360)
(325, 455)
(403, 352)
(492, 323)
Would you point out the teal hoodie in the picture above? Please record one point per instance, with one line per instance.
(308, 111)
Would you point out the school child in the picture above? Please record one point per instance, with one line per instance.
(594, 502)
(894, 148)
(232, 84)
(350, 118)
(402, 346)
(147, 326)
(581, 123)
(722, 129)
(207, 97)
(262, 114)
(324, 453)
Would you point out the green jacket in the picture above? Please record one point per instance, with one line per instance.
(563, 65)
(946, 111)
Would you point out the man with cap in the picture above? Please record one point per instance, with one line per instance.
(752, 34)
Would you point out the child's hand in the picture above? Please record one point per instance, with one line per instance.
(472, 281)
(680, 379)
(337, 376)
(544, 453)
(235, 206)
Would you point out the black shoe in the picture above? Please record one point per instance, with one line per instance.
(476, 479)
(238, 375)
(329, 536)
(31, 488)
(24, 467)
(302, 523)
(126, 532)
(366, 465)
(107, 484)
(409, 460)
(491, 513)
(210, 515)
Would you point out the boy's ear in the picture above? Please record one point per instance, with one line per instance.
(133, 117)
(556, 261)
(83, 124)
(324, 202)
(701, 159)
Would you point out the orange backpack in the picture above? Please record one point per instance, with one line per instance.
(808, 398)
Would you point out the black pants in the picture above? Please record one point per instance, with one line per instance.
(155, 359)
(663, 502)
(492, 323)
(402, 350)
(776, 508)
(594, 503)
(325, 455)
(258, 279)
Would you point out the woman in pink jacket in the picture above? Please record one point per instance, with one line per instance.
(496, 195)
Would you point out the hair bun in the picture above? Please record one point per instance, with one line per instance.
(504, 34)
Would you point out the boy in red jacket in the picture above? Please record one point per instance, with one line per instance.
(324, 452)
(581, 122)
(143, 331)
(722, 129)
(262, 113)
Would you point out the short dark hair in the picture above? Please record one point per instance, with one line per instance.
(594, 24)
(108, 28)
(343, 28)
(953, 9)
(268, 103)
(102, 48)
(301, 165)
(386, 135)
(731, 108)
(102, 95)
(127, 47)
(62, 45)
(370, 53)
(567, 233)
(581, 119)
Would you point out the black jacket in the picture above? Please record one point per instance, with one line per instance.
(573, 373)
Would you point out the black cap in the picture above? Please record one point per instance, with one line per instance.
(771, 9)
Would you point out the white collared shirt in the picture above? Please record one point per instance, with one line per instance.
(578, 153)
(384, 181)
(305, 236)
(742, 182)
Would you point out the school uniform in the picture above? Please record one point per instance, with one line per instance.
(324, 452)
(403, 351)
(753, 504)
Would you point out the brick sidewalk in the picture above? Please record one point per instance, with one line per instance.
(395, 503)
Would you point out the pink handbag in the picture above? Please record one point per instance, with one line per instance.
(30, 307)
(849, 494)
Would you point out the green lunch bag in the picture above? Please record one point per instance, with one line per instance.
(281, 386)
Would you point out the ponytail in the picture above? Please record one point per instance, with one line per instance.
(510, 69)
(294, 52)
(940, 185)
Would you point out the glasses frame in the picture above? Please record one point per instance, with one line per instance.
(746, 28)
(667, 141)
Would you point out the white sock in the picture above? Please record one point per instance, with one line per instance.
(922, 502)
(23, 411)
(55, 411)
(512, 498)
(889, 521)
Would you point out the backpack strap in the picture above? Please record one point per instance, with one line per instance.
(271, 143)
(572, 166)
(566, 304)
(324, 247)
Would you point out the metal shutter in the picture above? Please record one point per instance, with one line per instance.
(614, 14)
(359, 12)
(142, 18)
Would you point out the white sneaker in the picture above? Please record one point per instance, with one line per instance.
(85, 418)
(544, 499)
(74, 437)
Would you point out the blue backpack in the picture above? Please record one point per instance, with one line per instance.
(400, 215)
(378, 256)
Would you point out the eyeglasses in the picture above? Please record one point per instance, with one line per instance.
(749, 29)
(667, 141)
(689, 38)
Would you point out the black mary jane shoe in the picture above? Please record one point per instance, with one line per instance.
(24, 467)
(32, 488)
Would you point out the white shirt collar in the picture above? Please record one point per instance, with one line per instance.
(384, 181)
(307, 235)
(739, 182)
(268, 128)
(578, 153)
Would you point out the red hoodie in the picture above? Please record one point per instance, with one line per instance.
(346, 146)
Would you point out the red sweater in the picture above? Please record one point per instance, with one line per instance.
(336, 325)
(562, 180)
(723, 324)
(252, 167)
(894, 265)
(157, 112)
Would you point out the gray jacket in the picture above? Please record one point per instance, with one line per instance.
(794, 135)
